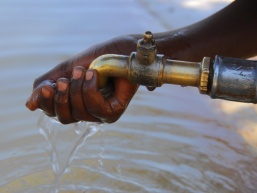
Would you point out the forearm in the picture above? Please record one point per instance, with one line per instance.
(230, 32)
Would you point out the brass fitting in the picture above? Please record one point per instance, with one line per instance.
(147, 68)
(110, 65)
(204, 75)
(146, 49)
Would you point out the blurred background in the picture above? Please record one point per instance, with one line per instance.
(169, 140)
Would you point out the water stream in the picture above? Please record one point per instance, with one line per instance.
(64, 141)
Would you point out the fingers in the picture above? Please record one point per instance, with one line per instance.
(124, 91)
(81, 99)
(79, 111)
(33, 101)
(46, 102)
(64, 69)
(93, 99)
(112, 108)
(61, 102)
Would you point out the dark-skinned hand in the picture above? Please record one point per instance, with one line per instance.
(77, 97)
(70, 91)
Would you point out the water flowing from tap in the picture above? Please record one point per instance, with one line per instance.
(64, 142)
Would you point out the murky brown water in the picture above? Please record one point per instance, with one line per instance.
(169, 140)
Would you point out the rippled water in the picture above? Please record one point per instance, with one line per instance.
(157, 146)
(169, 140)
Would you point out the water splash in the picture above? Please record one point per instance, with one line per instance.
(102, 149)
(64, 142)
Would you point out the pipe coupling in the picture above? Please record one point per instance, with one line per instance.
(234, 79)
(147, 75)
(225, 78)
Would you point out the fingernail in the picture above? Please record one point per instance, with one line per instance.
(61, 85)
(89, 75)
(46, 93)
(77, 73)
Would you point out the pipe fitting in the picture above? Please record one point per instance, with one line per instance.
(146, 49)
(110, 65)
(229, 78)
(147, 68)
(234, 79)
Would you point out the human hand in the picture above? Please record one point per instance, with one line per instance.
(76, 97)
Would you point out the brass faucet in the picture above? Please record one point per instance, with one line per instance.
(224, 78)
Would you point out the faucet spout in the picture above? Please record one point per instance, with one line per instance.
(110, 65)
(147, 68)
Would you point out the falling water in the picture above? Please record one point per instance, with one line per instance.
(64, 141)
